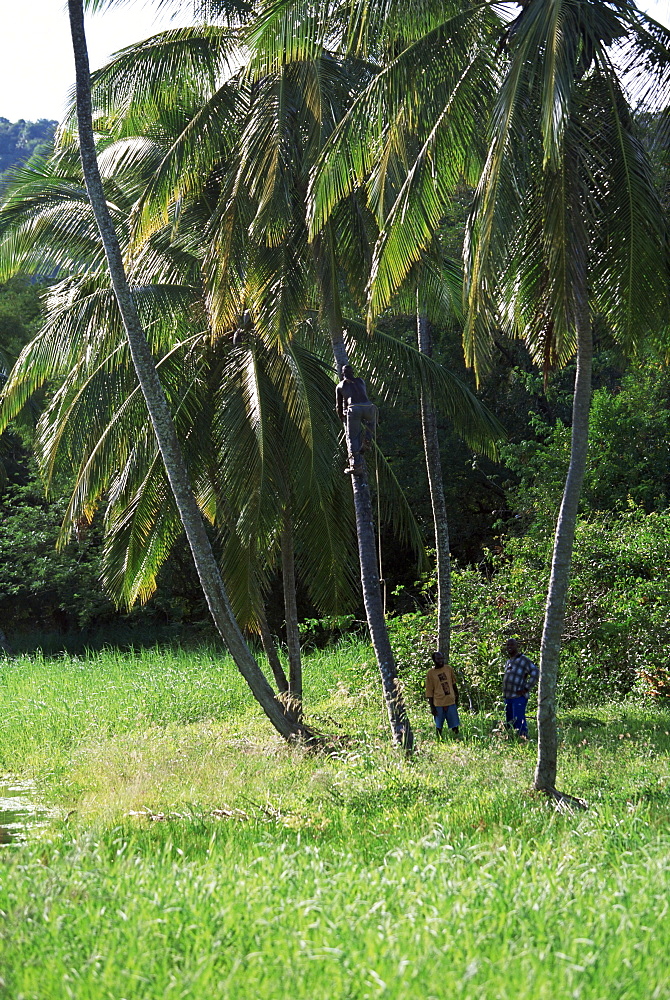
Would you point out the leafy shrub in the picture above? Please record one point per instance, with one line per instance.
(631, 420)
(44, 589)
(39, 586)
(413, 638)
(617, 630)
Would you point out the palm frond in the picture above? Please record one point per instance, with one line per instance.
(326, 553)
(178, 67)
(629, 268)
(389, 363)
(139, 534)
(431, 80)
(286, 31)
(203, 142)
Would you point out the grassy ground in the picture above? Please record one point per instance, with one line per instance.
(197, 856)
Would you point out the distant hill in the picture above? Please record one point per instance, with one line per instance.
(19, 140)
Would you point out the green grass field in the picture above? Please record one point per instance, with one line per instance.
(191, 854)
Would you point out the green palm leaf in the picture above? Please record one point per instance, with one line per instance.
(390, 363)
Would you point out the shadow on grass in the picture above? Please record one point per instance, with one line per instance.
(122, 638)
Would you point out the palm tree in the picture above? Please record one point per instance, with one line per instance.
(258, 420)
(289, 116)
(291, 111)
(156, 402)
(565, 220)
(433, 291)
(566, 224)
(277, 45)
(382, 141)
(431, 447)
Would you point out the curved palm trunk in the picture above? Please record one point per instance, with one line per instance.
(545, 772)
(291, 615)
(401, 729)
(431, 447)
(157, 405)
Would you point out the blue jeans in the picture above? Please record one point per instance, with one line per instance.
(515, 712)
(448, 712)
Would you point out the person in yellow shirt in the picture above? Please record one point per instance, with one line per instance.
(442, 695)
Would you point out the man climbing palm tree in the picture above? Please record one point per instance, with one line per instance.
(358, 415)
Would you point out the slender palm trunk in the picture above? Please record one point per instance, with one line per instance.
(431, 447)
(157, 405)
(374, 611)
(401, 729)
(270, 649)
(545, 772)
(291, 615)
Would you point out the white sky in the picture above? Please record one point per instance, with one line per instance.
(36, 64)
(36, 67)
(660, 9)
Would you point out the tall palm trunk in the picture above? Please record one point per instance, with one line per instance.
(431, 447)
(291, 615)
(157, 405)
(545, 772)
(374, 611)
(401, 729)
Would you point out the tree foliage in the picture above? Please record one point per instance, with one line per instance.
(19, 140)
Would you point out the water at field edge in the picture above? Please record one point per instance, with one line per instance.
(18, 812)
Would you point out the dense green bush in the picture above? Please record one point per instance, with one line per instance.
(43, 589)
(628, 459)
(617, 630)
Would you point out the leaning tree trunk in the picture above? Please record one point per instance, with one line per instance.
(431, 447)
(291, 615)
(401, 729)
(554, 616)
(159, 411)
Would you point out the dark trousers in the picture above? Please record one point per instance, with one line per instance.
(357, 415)
(515, 712)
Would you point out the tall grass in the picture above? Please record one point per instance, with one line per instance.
(201, 857)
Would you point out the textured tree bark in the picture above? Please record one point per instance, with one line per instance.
(157, 405)
(401, 730)
(431, 446)
(554, 616)
(291, 615)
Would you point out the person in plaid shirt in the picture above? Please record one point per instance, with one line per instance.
(519, 677)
